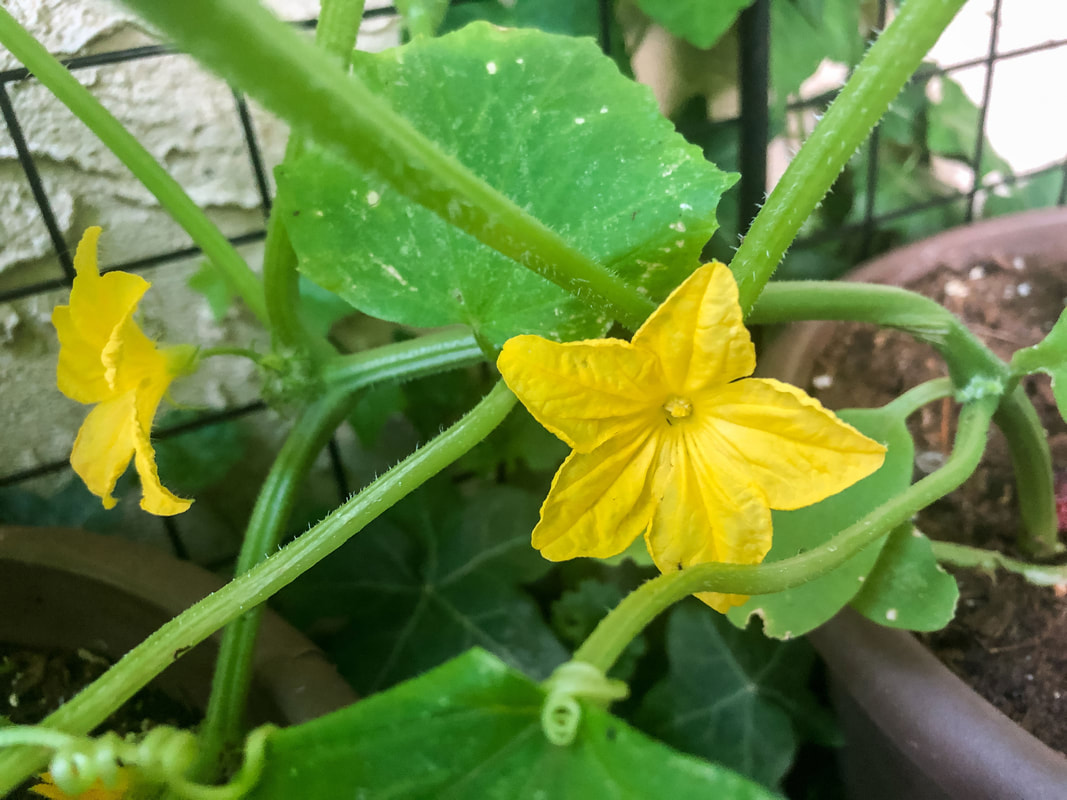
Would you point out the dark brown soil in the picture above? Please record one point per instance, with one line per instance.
(1009, 639)
(34, 683)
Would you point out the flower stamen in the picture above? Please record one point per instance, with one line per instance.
(677, 408)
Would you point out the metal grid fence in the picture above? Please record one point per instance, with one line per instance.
(751, 126)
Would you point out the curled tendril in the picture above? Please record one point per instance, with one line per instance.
(164, 755)
(561, 712)
(77, 766)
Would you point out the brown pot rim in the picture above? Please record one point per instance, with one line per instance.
(959, 740)
(297, 676)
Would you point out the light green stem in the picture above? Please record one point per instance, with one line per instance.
(611, 637)
(335, 35)
(888, 306)
(434, 352)
(140, 162)
(225, 350)
(961, 555)
(967, 358)
(304, 86)
(888, 65)
(346, 375)
(93, 704)
(919, 396)
(233, 668)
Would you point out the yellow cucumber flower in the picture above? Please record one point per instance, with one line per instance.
(105, 359)
(671, 439)
(98, 791)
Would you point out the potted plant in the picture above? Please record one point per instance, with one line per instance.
(513, 187)
(914, 728)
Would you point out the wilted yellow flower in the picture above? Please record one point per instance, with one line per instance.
(104, 358)
(47, 788)
(670, 441)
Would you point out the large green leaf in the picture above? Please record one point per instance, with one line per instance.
(699, 22)
(550, 122)
(1037, 191)
(803, 33)
(471, 729)
(952, 125)
(802, 608)
(200, 457)
(907, 588)
(426, 582)
(1048, 356)
(734, 697)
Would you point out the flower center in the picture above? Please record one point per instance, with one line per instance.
(677, 408)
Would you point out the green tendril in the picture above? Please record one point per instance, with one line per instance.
(561, 713)
(164, 755)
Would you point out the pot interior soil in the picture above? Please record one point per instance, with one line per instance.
(1009, 638)
(34, 682)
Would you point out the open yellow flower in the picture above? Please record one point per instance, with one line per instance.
(672, 439)
(104, 358)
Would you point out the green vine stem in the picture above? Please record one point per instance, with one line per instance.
(919, 396)
(335, 35)
(304, 86)
(93, 704)
(966, 357)
(961, 555)
(878, 79)
(226, 350)
(426, 355)
(233, 668)
(140, 162)
(1031, 461)
(346, 375)
(611, 637)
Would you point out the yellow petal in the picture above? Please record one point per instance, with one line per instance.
(105, 444)
(111, 435)
(156, 498)
(158, 375)
(79, 371)
(776, 437)
(89, 326)
(705, 517)
(599, 502)
(699, 334)
(584, 392)
(85, 255)
(98, 791)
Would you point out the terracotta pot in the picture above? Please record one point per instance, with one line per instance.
(913, 729)
(72, 589)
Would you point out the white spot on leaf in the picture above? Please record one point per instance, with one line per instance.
(391, 271)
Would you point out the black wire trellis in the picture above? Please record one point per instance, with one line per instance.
(751, 127)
